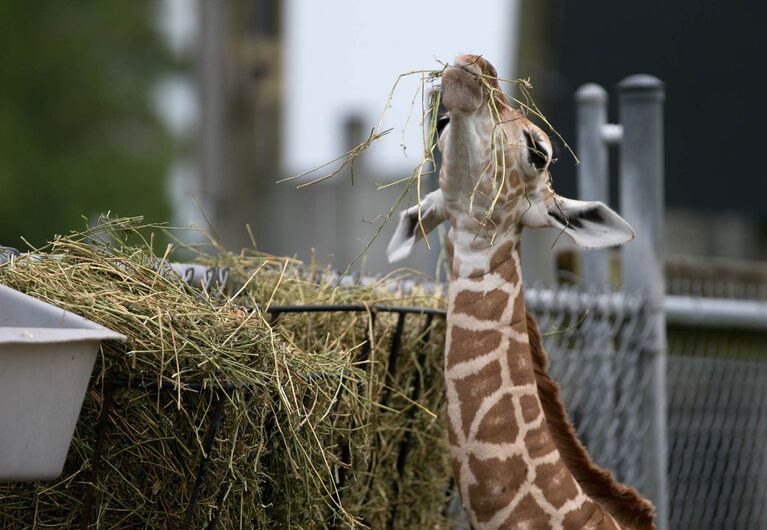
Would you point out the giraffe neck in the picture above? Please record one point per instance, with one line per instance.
(507, 466)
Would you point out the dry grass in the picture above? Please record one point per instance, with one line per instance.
(312, 398)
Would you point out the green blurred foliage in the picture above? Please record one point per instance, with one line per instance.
(78, 135)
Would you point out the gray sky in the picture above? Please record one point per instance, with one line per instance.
(343, 56)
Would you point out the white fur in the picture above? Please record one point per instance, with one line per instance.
(408, 232)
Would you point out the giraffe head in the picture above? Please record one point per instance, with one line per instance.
(495, 176)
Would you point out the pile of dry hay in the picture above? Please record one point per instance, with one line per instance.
(313, 426)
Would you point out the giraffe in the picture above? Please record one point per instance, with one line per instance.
(516, 458)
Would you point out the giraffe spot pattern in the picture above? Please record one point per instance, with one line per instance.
(501, 480)
(498, 425)
(531, 408)
(468, 344)
(520, 364)
(476, 274)
(589, 517)
(527, 515)
(452, 438)
(480, 305)
(504, 264)
(587, 514)
(557, 483)
(519, 323)
(538, 442)
(473, 389)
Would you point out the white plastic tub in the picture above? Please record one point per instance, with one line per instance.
(46, 359)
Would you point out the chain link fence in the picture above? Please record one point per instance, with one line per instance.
(717, 410)
(716, 392)
(595, 346)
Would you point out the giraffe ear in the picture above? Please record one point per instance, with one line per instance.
(590, 224)
(408, 232)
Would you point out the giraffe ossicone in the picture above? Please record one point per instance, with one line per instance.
(517, 461)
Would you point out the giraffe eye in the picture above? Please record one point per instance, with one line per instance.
(442, 122)
(538, 153)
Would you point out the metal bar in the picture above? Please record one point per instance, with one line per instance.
(219, 502)
(101, 428)
(391, 367)
(680, 310)
(331, 308)
(404, 447)
(345, 459)
(270, 430)
(223, 488)
(575, 301)
(641, 180)
(8, 253)
(202, 468)
(683, 310)
(593, 171)
(612, 133)
(716, 312)
(705, 312)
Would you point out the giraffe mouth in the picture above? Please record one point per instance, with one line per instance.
(470, 69)
(461, 89)
(464, 73)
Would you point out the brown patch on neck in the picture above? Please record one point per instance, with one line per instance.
(483, 306)
(503, 263)
(624, 503)
(478, 343)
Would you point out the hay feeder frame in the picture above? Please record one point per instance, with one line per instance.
(113, 384)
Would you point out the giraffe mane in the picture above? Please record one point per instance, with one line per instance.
(623, 502)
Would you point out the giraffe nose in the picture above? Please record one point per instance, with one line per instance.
(460, 90)
(468, 64)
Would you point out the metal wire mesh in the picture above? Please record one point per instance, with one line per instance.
(594, 341)
(717, 403)
(717, 428)
(714, 278)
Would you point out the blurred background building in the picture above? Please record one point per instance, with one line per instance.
(192, 110)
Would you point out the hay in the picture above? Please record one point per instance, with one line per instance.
(307, 404)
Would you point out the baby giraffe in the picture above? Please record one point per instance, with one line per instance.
(516, 458)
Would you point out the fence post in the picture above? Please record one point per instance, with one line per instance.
(641, 181)
(594, 136)
(593, 171)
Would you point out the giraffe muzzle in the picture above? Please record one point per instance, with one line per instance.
(461, 89)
